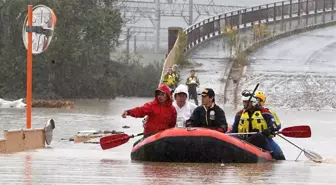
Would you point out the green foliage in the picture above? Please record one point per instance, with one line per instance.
(235, 45)
(77, 64)
(260, 31)
(179, 57)
(233, 38)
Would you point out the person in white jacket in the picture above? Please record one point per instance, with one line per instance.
(183, 107)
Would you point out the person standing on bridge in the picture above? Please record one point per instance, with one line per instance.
(192, 83)
(176, 74)
(169, 79)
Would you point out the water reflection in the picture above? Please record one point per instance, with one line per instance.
(27, 170)
(182, 173)
(253, 173)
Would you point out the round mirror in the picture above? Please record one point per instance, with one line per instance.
(44, 21)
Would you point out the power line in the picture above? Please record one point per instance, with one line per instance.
(145, 9)
(136, 11)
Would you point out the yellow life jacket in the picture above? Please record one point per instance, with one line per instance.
(176, 77)
(277, 121)
(257, 121)
(170, 79)
(192, 80)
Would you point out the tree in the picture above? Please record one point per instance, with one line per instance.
(77, 64)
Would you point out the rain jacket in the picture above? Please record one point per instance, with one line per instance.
(183, 113)
(213, 118)
(160, 116)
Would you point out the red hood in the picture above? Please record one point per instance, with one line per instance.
(166, 89)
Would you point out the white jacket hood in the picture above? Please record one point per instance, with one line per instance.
(181, 89)
(183, 113)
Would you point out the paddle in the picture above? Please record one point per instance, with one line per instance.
(255, 89)
(115, 140)
(309, 154)
(302, 131)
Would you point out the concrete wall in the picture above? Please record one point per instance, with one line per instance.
(21, 140)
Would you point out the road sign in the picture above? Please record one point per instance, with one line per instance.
(43, 24)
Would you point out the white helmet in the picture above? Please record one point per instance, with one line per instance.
(246, 98)
(246, 95)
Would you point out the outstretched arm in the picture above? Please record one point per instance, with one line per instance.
(140, 112)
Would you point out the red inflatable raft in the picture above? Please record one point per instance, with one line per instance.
(197, 145)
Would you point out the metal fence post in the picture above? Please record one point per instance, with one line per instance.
(307, 12)
(332, 9)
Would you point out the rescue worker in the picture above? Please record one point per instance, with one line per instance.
(261, 100)
(277, 152)
(176, 74)
(169, 78)
(192, 83)
(160, 112)
(183, 107)
(254, 118)
(208, 115)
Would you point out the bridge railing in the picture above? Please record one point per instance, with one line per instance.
(246, 18)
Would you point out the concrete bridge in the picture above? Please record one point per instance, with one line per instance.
(207, 48)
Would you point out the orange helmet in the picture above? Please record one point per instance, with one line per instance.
(261, 97)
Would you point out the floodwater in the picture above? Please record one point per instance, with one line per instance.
(64, 162)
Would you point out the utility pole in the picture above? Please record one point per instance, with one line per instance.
(191, 9)
(135, 45)
(128, 36)
(157, 25)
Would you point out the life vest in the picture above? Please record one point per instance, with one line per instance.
(192, 80)
(170, 79)
(257, 121)
(176, 76)
(277, 121)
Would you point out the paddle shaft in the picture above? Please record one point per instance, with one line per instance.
(256, 87)
(292, 143)
(140, 134)
(130, 136)
(245, 133)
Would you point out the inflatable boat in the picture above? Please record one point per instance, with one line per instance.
(197, 145)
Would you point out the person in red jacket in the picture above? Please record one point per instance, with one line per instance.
(161, 114)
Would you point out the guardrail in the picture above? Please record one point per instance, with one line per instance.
(245, 18)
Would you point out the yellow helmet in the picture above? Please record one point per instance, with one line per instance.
(261, 96)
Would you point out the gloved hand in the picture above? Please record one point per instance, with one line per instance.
(267, 132)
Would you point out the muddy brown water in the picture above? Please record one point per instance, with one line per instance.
(64, 162)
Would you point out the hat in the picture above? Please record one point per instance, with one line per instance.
(158, 91)
(208, 92)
